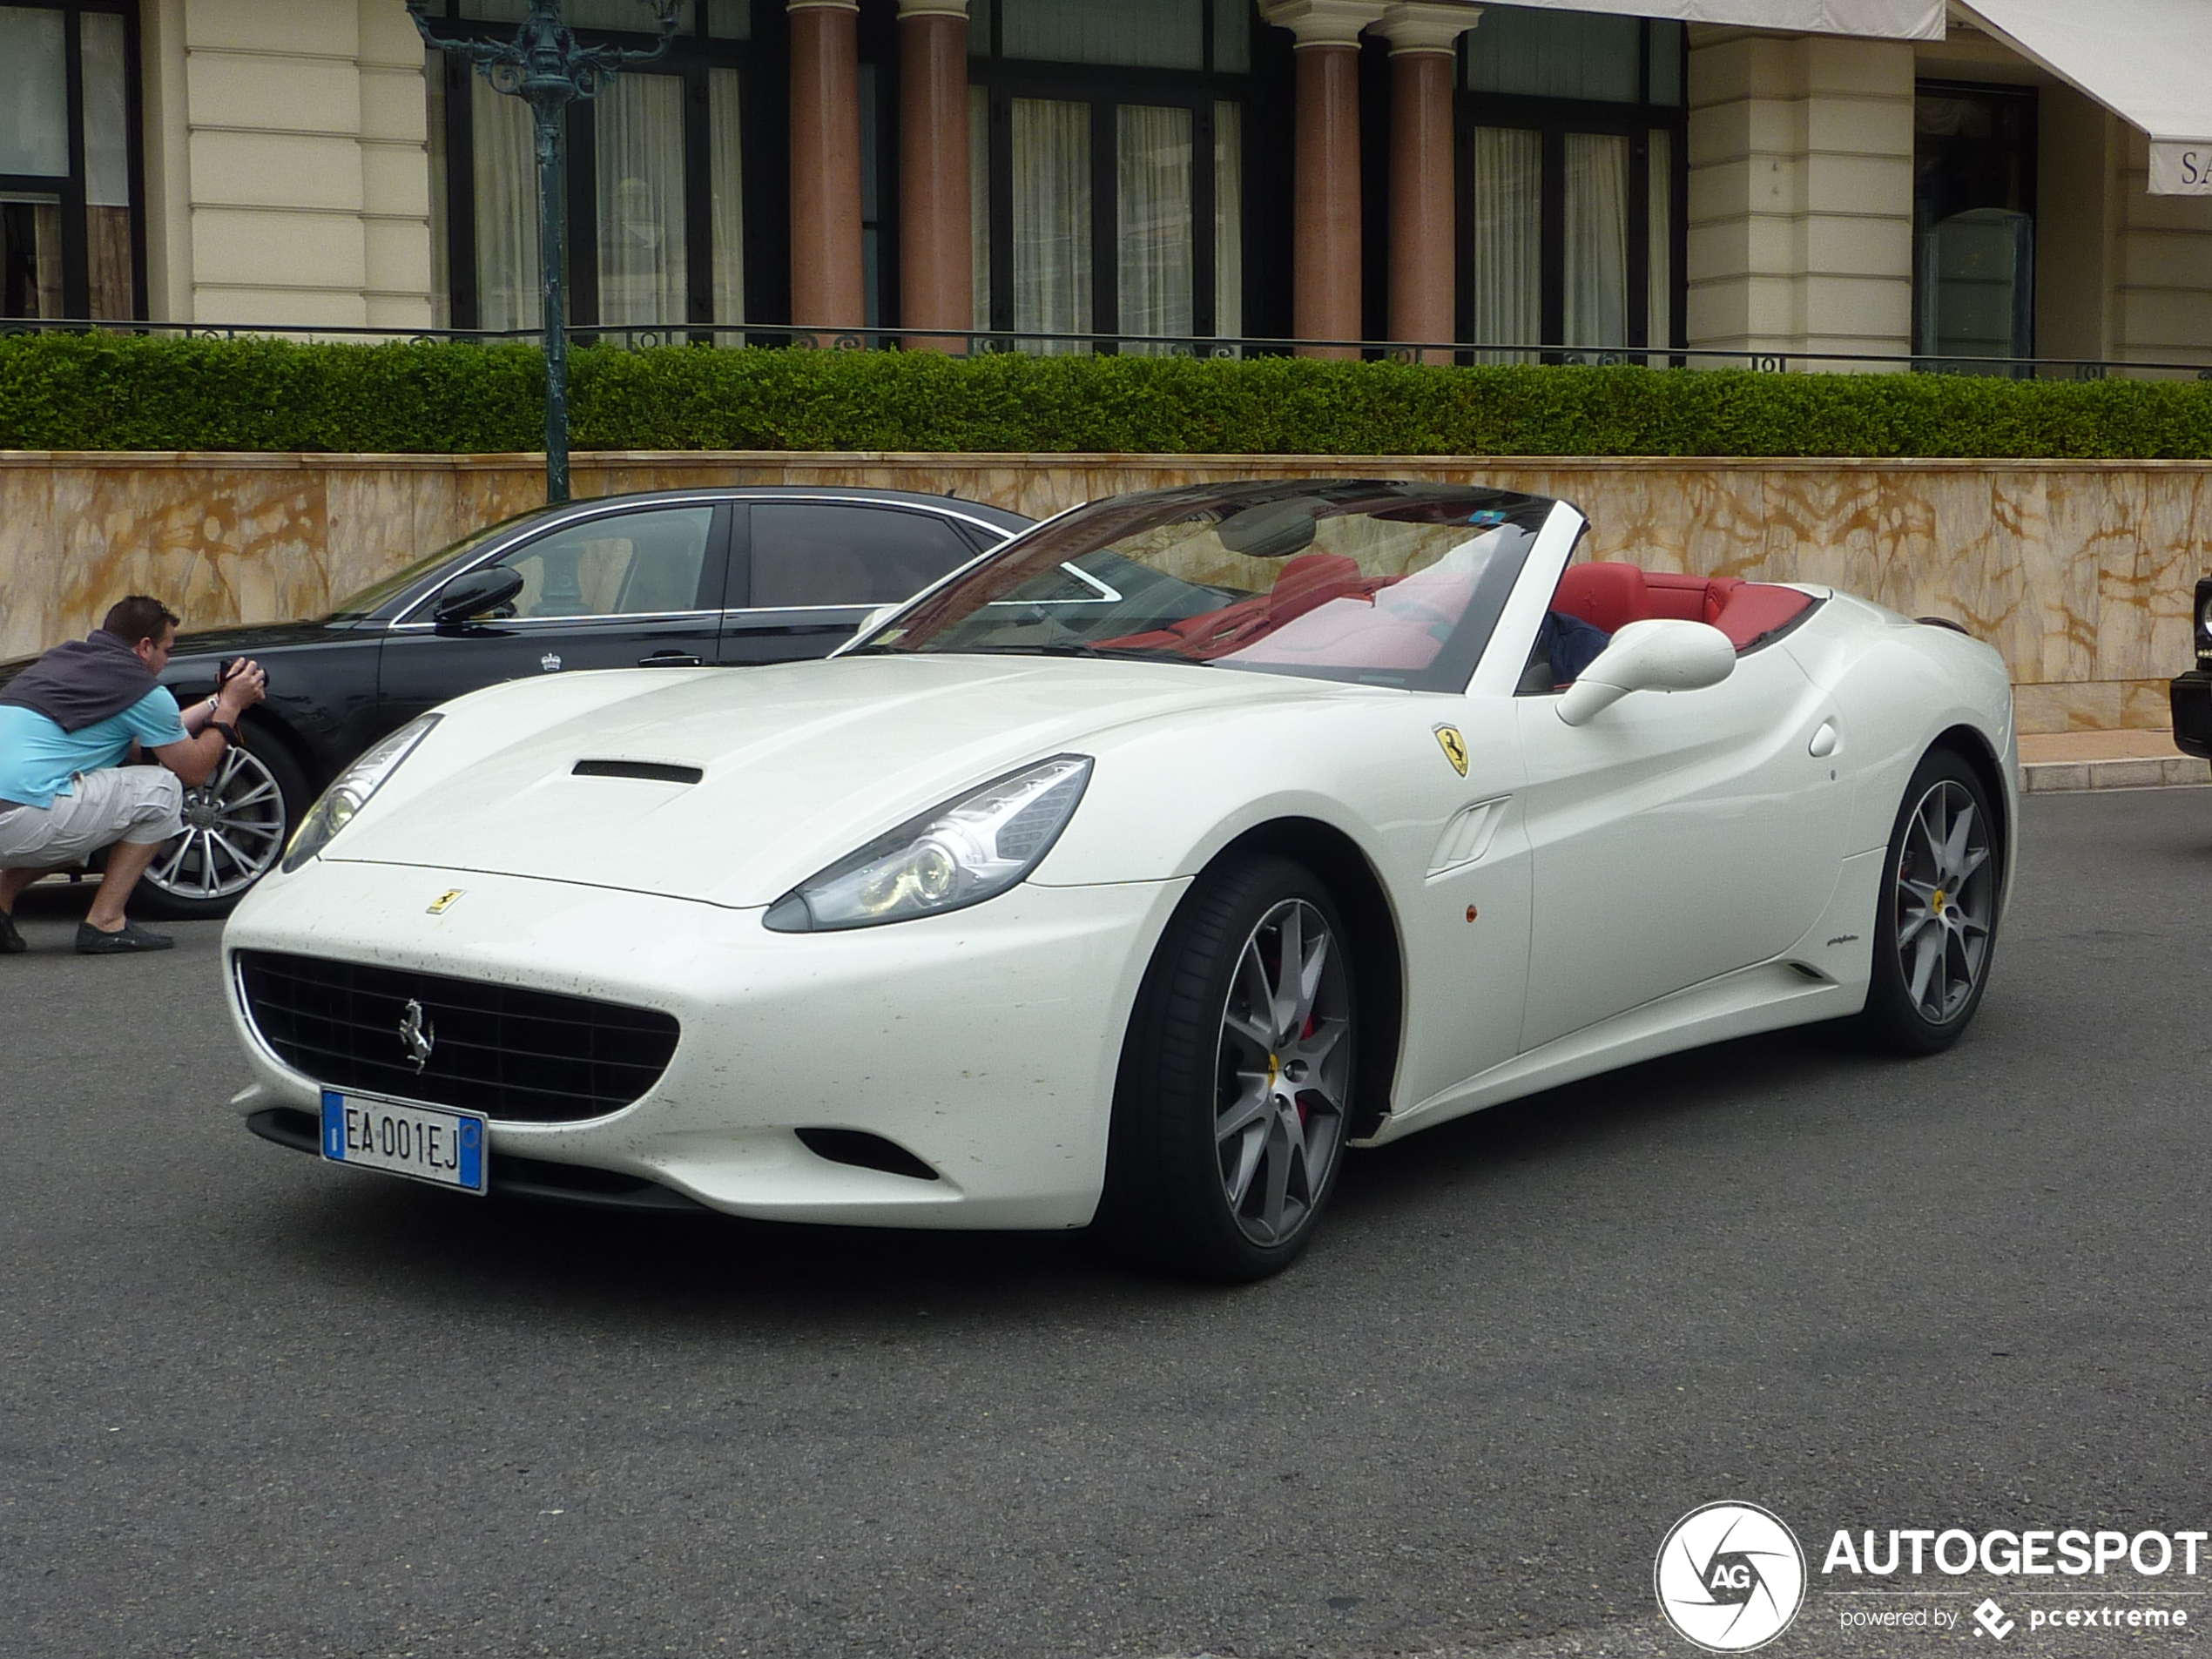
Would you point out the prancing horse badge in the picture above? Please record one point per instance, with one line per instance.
(443, 903)
(1455, 747)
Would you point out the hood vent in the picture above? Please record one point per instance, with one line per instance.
(653, 771)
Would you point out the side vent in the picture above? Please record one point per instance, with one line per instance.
(652, 772)
(1466, 837)
(865, 1152)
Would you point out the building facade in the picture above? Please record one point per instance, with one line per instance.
(1895, 176)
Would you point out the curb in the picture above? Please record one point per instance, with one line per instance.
(2057, 777)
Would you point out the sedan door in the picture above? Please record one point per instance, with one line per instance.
(629, 589)
(1677, 836)
(805, 574)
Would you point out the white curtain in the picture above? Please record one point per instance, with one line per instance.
(34, 91)
(1051, 219)
(1505, 240)
(640, 152)
(1152, 168)
(1228, 218)
(506, 180)
(1596, 278)
(725, 176)
(107, 165)
(1660, 316)
(979, 203)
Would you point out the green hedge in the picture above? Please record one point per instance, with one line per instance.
(92, 391)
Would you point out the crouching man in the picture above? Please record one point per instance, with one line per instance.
(66, 726)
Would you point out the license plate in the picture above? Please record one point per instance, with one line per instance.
(424, 1142)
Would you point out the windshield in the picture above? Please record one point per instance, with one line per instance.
(1379, 583)
(355, 606)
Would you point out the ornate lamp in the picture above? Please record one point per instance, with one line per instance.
(545, 67)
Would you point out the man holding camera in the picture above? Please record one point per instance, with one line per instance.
(67, 725)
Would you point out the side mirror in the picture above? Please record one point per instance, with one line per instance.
(474, 592)
(1661, 655)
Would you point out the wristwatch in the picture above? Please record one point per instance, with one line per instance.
(229, 732)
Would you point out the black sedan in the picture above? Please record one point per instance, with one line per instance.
(676, 578)
(2192, 692)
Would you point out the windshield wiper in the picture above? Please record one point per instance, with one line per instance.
(1074, 648)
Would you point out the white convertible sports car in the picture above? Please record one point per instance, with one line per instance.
(1131, 875)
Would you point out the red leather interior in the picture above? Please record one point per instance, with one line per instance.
(1610, 595)
(1312, 579)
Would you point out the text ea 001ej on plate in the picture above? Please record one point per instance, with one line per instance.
(425, 1143)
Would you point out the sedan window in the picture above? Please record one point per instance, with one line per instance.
(823, 553)
(626, 564)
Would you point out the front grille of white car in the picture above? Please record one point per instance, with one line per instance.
(512, 1054)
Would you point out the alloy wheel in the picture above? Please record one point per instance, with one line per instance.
(1946, 901)
(235, 828)
(1283, 1072)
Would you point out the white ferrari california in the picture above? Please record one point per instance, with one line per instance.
(1131, 875)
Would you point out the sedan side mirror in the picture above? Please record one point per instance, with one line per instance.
(474, 592)
(1661, 655)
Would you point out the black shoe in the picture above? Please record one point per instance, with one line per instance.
(10, 942)
(91, 941)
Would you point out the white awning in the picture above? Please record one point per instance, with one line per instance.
(1869, 19)
(2149, 62)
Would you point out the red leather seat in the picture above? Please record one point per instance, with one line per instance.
(1605, 595)
(1312, 579)
(1611, 596)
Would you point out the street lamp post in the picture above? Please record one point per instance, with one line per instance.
(544, 67)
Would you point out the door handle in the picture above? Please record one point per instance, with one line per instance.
(669, 659)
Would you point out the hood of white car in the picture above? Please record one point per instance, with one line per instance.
(798, 763)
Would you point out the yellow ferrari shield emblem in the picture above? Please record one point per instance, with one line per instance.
(1455, 747)
(443, 903)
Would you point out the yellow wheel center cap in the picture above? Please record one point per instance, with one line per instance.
(1274, 1070)
(1941, 898)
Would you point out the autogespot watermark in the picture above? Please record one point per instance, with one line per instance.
(1730, 1577)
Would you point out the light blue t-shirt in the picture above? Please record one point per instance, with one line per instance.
(37, 757)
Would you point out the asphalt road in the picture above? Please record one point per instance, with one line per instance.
(251, 1405)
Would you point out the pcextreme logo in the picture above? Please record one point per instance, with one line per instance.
(1729, 1578)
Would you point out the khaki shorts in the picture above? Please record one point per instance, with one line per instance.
(140, 804)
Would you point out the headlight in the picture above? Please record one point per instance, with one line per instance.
(972, 848)
(350, 792)
(2204, 611)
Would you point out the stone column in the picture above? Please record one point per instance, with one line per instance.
(826, 286)
(935, 271)
(1800, 195)
(1424, 208)
(1324, 260)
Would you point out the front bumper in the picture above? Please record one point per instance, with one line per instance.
(983, 1043)
(2192, 698)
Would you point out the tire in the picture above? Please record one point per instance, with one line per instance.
(1233, 1102)
(236, 824)
(1935, 928)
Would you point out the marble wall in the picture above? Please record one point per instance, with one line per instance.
(2079, 572)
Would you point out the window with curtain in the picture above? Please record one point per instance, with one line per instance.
(1570, 208)
(1594, 241)
(643, 271)
(1107, 168)
(725, 194)
(70, 238)
(1052, 259)
(1153, 207)
(659, 201)
(505, 179)
(1503, 235)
